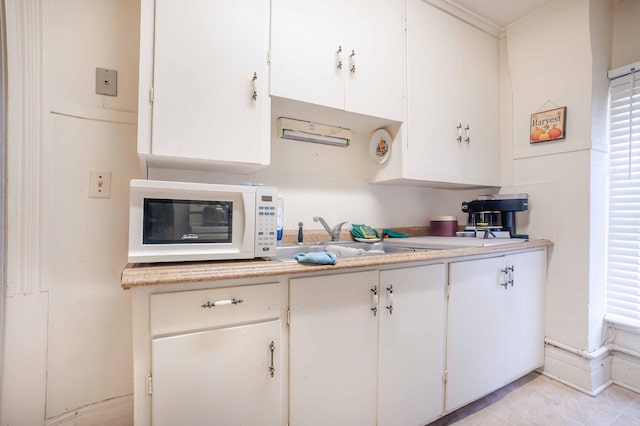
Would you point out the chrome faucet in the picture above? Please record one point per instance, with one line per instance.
(333, 232)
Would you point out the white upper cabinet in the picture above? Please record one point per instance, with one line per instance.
(479, 106)
(453, 103)
(452, 130)
(342, 54)
(375, 58)
(433, 94)
(204, 86)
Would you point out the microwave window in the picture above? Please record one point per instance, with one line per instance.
(186, 221)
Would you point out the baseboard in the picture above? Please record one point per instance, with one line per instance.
(590, 376)
(626, 371)
(112, 412)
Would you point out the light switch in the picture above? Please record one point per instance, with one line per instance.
(106, 82)
(99, 184)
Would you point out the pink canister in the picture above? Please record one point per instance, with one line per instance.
(444, 226)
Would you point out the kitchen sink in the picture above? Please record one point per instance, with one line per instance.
(287, 253)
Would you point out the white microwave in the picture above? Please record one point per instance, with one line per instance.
(183, 221)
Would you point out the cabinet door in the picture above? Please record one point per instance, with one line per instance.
(476, 330)
(411, 342)
(333, 350)
(480, 100)
(525, 313)
(206, 54)
(375, 37)
(433, 84)
(452, 83)
(305, 39)
(218, 376)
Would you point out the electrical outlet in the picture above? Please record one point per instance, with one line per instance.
(106, 82)
(99, 184)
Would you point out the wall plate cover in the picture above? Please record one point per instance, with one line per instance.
(99, 184)
(106, 82)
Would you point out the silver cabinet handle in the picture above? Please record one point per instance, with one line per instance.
(223, 302)
(503, 275)
(254, 96)
(339, 58)
(510, 275)
(272, 369)
(352, 60)
(468, 138)
(374, 300)
(459, 128)
(390, 306)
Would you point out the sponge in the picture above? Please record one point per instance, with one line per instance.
(364, 231)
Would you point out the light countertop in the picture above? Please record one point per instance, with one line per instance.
(135, 275)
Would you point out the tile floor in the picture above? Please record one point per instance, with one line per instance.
(538, 400)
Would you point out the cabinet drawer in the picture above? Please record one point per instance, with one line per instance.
(199, 309)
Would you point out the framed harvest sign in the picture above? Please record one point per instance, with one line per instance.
(548, 125)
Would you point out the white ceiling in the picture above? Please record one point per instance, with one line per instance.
(500, 12)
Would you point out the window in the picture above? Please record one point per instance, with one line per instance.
(623, 240)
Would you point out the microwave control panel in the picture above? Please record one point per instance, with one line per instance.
(266, 224)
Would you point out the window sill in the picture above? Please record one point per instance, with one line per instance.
(623, 324)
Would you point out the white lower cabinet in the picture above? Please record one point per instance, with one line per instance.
(411, 345)
(215, 356)
(333, 338)
(366, 348)
(380, 347)
(495, 326)
(217, 377)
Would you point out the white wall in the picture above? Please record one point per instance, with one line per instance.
(548, 69)
(89, 314)
(626, 33)
(317, 180)
(69, 340)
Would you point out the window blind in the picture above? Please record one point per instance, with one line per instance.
(623, 240)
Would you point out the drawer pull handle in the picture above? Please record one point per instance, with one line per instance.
(233, 301)
(374, 300)
(254, 96)
(510, 272)
(503, 277)
(390, 291)
(352, 59)
(272, 369)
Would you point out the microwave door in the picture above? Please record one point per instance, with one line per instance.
(185, 221)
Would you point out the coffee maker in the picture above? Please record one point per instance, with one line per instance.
(495, 214)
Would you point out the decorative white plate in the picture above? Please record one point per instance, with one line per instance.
(380, 146)
(367, 240)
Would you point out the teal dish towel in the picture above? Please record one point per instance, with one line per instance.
(321, 258)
